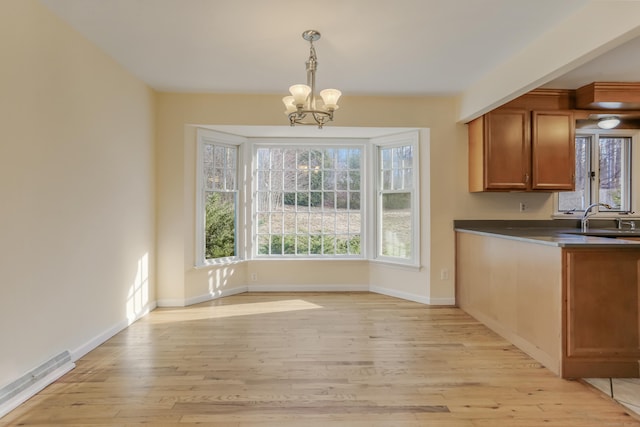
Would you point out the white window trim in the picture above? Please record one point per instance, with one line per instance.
(246, 235)
(407, 138)
(207, 136)
(364, 193)
(635, 177)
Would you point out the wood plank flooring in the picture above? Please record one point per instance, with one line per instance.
(313, 359)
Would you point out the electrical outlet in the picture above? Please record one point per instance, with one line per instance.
(254, 277)
(523, 207)
(444, 274)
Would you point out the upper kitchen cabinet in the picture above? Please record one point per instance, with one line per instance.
(500, 151)
(525, 145)
(553, 151)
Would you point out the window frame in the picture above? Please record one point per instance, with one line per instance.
(246, 237)
(633, 165)
(393, 141)
(308, 143)
(206, 136)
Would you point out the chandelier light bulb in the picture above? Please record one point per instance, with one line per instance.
(330, 98)
(300, 93)
(289, 103)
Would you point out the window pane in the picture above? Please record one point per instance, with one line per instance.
(302, 223)
(287, 179)
(263, 244)
(354, 245)
(208, 153)
(579, 199)
(263, 158)
(219, 156)
(218, 200)
(395, 209)
(342, 180)
(302, 245)
(354, 223)
(230, 179)
(396, 225)
(315, 223)
(276, 223)
(263, 180)
(354, 180)
(220, 225)
(309, 178)
(329, 224)
(329, 180)
(263, 223)
(613, 173)
(386, 180)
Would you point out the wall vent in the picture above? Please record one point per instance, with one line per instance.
(17, 392)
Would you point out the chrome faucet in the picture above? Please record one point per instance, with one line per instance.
(620, 223)
(584, 222)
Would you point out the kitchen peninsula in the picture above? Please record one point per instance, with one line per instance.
(569, 299)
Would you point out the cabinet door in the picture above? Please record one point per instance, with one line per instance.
(602, 312)
(507, 150)
(553, 150)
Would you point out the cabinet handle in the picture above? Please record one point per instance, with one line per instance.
(526, 177)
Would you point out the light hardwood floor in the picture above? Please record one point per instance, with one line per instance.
(313, 359)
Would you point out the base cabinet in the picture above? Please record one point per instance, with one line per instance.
(601, 312)
(576, 311)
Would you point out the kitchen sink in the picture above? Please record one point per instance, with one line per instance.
(608, 232)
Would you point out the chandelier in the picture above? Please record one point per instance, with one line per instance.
(302, 106)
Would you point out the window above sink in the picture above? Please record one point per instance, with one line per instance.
(607, 168)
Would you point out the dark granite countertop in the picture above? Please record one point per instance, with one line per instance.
(563, 233)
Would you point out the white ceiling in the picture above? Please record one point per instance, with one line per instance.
(368, 47)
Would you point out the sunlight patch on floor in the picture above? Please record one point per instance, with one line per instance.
(221, 311)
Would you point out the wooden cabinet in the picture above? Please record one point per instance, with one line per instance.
(601, 312)
(553, 150)
(520, 150)
(575, 310)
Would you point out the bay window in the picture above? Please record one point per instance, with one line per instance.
(329, 198)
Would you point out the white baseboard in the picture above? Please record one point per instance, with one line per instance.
(201, 298)
(85, 348)
(308, 288)
(105, 335)
(215, 295)
(305, 288)
(442, 301)
(412, 297)
(172, 302)
(399, 294)
(260, 288)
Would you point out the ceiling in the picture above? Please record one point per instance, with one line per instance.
(383, 47)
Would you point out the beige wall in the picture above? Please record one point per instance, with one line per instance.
(76, 191)
(444, 195)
